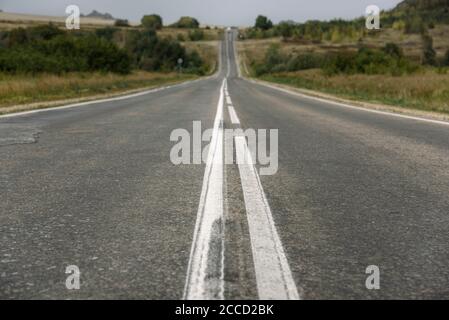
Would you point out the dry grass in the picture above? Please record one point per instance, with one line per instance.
(18, 90)
(10, 21)
(426, 90)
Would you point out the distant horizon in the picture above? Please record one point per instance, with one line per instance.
(224, 14)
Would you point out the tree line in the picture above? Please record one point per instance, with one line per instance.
(49, 49)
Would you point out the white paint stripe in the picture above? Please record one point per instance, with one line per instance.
(227, 55)
(233, 115)
(228, 100)
(273, 275)
(237, 60)
(204, 281)
(345, 105)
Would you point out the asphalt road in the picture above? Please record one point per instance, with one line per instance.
(93, 186)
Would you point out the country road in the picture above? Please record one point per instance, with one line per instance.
(93, 186)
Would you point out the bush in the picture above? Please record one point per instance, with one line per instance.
(415, 25)
(152, 53)
(446, 59)
(121, 23)
(389, 60)
(393, 50)
(106, 33)
(180, 37)
(196, 35)
(263, 23)
(275, 61)
(339, 63)
(64, 53)
(187, 23)
(35, 51)
(429, 55)
(153, 21)
(285, 29)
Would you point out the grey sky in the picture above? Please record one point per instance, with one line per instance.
(227, 12)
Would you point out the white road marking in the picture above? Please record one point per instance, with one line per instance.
(228, 100)
(345, 105)
(205, 270)
(233, 115)
(229, 59)
(273, 275)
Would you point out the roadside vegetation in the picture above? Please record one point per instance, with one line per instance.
(47, 62)
(406, 63)
(22, 90)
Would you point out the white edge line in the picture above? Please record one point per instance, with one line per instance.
(344, 105)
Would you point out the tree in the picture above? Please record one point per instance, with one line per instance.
(121, 23)
(152, 21)
(286, 29)
(393, 50)
(263, 23)
(429, 55)
(196, 35)
(187, 22)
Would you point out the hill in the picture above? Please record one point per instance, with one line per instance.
(98, 15)
(430, 11)
(423, 5)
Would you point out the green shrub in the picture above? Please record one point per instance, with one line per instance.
(121, 23)
(446, 59)
(389, 60)
(35, 50)
(196, 35)
(64, 53)
(263, 23)
(153, 21)
(428, 54)
(187, 23)
(106, 33)
(152, 53)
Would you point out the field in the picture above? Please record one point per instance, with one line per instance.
(26, 93)
(427, 90)
(10, 21)
(411, 44)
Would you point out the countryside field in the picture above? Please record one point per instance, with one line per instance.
(10, 21)
(426, 89)
(19, 91)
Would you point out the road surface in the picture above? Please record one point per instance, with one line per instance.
(93, 186)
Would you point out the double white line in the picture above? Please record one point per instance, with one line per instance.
(206, 266)
(205, 270)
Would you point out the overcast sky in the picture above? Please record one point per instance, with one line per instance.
(220, 12)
